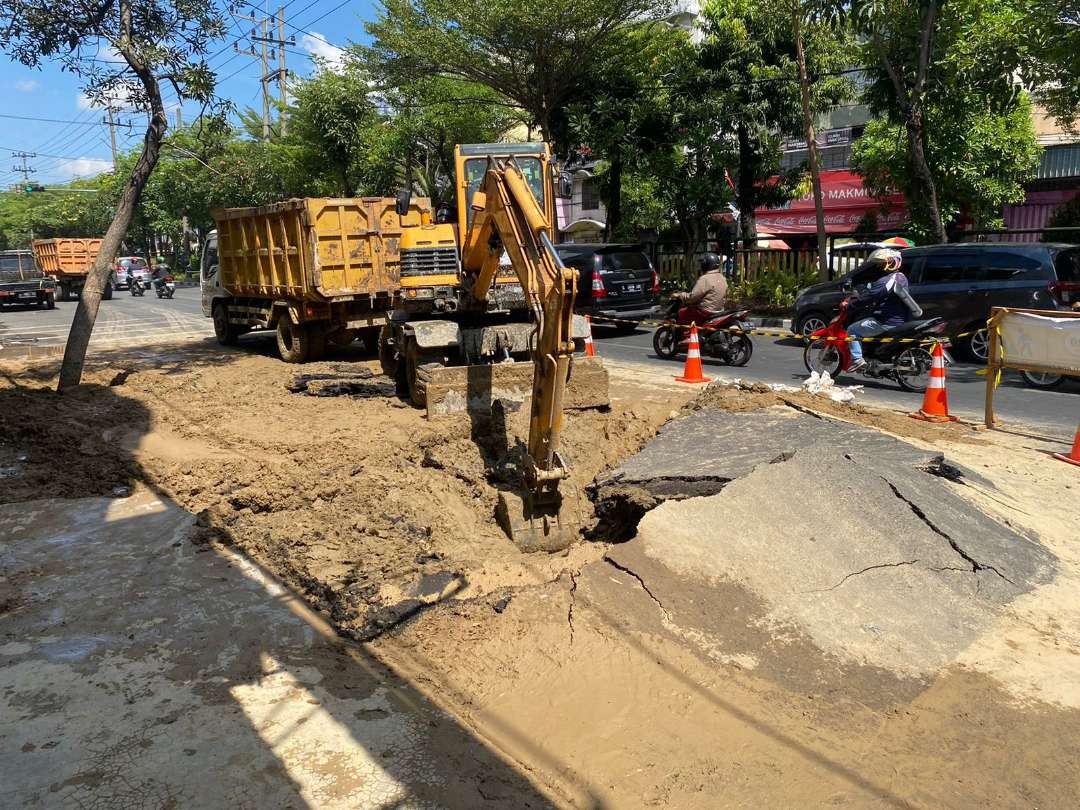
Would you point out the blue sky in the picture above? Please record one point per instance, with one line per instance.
(67, 150)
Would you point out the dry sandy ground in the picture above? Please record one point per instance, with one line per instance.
(569, 664)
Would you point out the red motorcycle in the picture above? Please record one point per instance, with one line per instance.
(723, 335)
(906, 362)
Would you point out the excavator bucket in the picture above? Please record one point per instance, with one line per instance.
(537, 525)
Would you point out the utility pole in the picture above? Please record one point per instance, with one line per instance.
(179, 117)
(283, 72)
(24, 170)
(270, 46)
(112, 132)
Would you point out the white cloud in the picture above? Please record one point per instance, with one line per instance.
(81, 167)
(27, 85)
(326, 55)
(119, 96)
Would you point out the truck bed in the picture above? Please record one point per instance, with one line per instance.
(314, 249)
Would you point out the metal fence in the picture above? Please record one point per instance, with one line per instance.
(843, 256)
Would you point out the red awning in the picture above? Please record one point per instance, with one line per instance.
(845, 201)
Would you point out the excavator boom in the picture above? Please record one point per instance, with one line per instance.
(507, 217)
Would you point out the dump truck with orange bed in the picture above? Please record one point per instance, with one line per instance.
(67, 261)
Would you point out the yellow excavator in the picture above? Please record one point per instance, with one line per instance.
(486, 303)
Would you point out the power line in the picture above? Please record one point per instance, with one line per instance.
(50, 120)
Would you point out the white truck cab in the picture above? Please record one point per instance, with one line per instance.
(209, 278)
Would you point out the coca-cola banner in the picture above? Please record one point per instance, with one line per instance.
(845, 202)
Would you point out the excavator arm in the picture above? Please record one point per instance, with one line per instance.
(507, 216)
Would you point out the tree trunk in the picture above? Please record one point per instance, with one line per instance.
(614, 205)
(921, 168)
(82, 326)
(691, 237)
(747, 191)
(811, 140)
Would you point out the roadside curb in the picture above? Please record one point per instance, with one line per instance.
(770, 322)
(180, 284)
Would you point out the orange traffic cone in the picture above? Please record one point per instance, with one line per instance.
(692, 372)
(590, 350)
(935, 406)
(1074, 456)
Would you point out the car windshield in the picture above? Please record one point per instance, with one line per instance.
(1067, 264)
(134, 264)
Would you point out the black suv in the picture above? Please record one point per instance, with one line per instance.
(960, 283)
(614, 280)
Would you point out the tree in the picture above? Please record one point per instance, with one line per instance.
(750, 55)
(336, 116)
(622, 115)
(428, 117)
(982, 157)
(1050, 61)
(159, 42)
(942, 81)
(536, 55)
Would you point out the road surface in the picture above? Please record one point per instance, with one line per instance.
(129, 321)
(780, 360)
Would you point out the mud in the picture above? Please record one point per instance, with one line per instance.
(353, 499)
(586, 669)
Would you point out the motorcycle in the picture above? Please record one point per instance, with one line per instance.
(135, 285)
(164, 287)
(724, 335)
(906, 362)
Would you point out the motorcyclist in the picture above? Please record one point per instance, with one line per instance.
(710, 290)
(157, 276)
(888, 301)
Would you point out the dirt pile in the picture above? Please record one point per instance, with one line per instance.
(360, 502)
(741, 397)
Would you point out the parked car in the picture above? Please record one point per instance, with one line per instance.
(22, 283)
(961, 283)
(125, 266)
(614, 281)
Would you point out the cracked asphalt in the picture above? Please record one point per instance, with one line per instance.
(861, 541)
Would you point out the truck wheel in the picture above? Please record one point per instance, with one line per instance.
(224, 331)
(293, 342)
(416, 387)
(63, 292)
(106, 294)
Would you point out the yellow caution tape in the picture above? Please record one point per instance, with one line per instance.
(781, 333)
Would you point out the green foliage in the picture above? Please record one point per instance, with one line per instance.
(537, 55)
(1050, 58)
(979, 158)
(972, 121)
(771, 291)
(1066, 215)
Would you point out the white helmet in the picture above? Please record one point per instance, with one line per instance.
(889, 257)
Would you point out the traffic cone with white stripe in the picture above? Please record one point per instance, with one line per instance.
(590, 349)
(1074, 456)
(935, 407)
(692, 371)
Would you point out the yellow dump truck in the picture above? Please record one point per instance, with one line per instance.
(67, 261)
(313, 269)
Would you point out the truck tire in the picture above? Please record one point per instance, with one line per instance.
(224, 331)
(299, 344)
(63, 291)
(106, 294)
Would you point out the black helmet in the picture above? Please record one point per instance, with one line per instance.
(710, 261)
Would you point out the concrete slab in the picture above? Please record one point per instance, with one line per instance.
(136, 671)
(847, 536)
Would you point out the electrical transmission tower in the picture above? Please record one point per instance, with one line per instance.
(271, 46)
